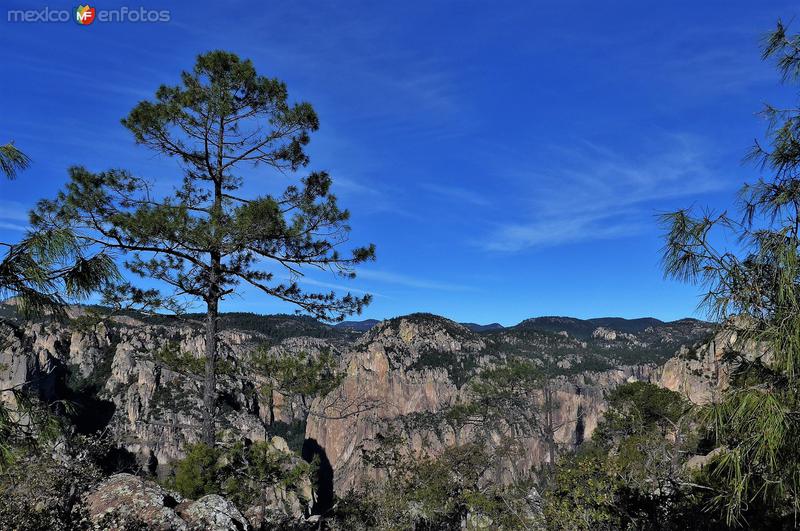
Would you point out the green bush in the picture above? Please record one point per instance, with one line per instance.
(44, 488)
(198, 473)
(240, 473)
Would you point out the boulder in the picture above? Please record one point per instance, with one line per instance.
(124, 500)
(212, 513)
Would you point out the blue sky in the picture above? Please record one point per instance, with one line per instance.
(507, 158)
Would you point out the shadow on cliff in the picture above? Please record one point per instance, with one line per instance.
(87, 411)
(311, 451)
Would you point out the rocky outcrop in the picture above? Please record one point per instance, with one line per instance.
(698, 374)
(604, 334)
(143, 382)
(406, 373)
(212, 512)
(401, 375)
(702, 372)
(283, 505)
(124, 499)
(372, 392)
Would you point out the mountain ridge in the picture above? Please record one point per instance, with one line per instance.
(257, 322)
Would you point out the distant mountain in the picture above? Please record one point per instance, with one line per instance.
(614, 339)
(483, 328)
(358, 326)
(583, 328)
(274, 327)
(600, 343)
(559, 345)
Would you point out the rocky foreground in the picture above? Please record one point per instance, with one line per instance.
(138, 379)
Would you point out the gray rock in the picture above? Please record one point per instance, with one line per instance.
(125, 499)
(213, 513)
(157, 408)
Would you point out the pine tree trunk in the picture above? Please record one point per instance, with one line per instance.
(210, 383)
(212, 315)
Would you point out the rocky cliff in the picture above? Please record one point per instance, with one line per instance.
(702, 372)
(139, 378)
(142, 382)
(405, 374)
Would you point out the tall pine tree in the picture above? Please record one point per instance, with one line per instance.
(756, 475)
(230, 130)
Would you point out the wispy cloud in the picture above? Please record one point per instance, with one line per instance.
(332, 285)
(13, 215)
(12, 226)
(113, 89)
(394, 90)
(555, 231)
(373, 199)
(13, 210)
(718, 70)
(456, 194)
(410, 281)
(597, 193)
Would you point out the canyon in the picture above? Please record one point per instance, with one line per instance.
(137, 378)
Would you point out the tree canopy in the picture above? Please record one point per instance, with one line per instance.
(754, 289)
(235, 136)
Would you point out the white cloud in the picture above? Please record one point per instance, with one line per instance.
(456, 194)
(595, 193)
(13, 210)
(410, 281)
(12, 226)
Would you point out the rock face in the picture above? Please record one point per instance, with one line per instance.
(283, 506)
(698, 374)
(702, 372)
(141, 381)
(384, 380)
(406, 373)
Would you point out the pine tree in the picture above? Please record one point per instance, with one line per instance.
(47, 265)
(755, 291)
(41, 272)
(12, 160)
(230, 129)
